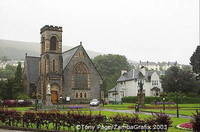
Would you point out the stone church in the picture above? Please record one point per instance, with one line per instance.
(70, 74)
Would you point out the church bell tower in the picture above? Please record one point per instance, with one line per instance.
(51, 63)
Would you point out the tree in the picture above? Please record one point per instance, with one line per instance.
(110, 67)
(18, 89)
(195, 60)
(180, 80)
(3, 89)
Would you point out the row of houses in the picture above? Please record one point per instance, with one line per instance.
(159, 66)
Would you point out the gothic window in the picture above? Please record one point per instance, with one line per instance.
(54, 66)
(53, 42)
(81, 95)
(80, 77)
(85, 95)
(76, 95)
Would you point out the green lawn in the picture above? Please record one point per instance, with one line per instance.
(20, 108)
(181, 112)
(124, 106)
(177, 121)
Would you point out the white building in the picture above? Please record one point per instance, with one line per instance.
(127, 84)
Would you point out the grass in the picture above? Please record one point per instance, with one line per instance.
(177, 121)
(181, 112)
(124, 106)
(20, 108)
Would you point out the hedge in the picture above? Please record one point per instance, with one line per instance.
(150, 99)
(133, 99)
(56, 120)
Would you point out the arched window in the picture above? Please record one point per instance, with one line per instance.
(53, 43)
(80, 76)
(54, 69)
(81, 95)
(76, 95)
(85, 95)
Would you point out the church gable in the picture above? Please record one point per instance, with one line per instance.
(81, 79)
(78, 54)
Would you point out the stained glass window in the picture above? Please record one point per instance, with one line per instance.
(80, 76)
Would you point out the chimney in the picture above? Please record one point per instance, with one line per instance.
(123, 71)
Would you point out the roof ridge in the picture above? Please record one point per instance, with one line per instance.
(72, 49)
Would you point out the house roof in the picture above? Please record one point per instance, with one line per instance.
(32, 68)
(113, 89)
(135, 74)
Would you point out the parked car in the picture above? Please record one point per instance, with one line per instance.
(94, 102)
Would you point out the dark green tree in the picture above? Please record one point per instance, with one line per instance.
(3, 89)
(18, 74)
(110, 67)
(8, 72)
(180, 80)
(195, 60)
(18, 87)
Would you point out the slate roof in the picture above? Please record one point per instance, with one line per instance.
(32, 68)
(32, 71)
(67, 55)
(113, 89)
(135, 74)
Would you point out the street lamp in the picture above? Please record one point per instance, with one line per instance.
(177, 109)
(115, 95)
(61, 101)
(163, 103)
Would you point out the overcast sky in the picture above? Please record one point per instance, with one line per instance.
(153, 30)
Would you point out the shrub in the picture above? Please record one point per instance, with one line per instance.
(70, 120)
(169, 98)
(10, 103)
(163, 119)
(133, 99)
(196, 122)
(23, 96)
(129, 99)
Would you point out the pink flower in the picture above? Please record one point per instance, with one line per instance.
(186, 125)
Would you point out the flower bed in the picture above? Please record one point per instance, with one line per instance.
(185, 126)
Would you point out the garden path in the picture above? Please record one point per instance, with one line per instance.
(133, 111)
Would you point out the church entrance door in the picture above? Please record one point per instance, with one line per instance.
(54, 97)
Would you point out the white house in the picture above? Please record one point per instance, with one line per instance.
(127, 84)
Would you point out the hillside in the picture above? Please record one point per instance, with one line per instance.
(17, 49)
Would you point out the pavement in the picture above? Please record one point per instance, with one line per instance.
(146, 113)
